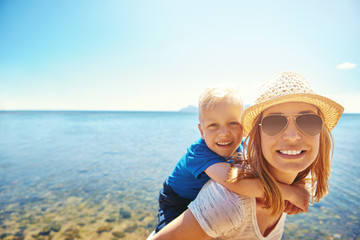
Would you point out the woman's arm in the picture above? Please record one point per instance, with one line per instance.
(249, 186)
(183, 227)
(215, 212)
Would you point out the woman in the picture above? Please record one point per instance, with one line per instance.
(288, 140)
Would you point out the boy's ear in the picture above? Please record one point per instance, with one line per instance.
(201, 131)
(243, 134)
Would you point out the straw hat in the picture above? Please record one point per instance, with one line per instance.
(291, 87)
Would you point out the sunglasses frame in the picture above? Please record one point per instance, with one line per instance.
(294, 116)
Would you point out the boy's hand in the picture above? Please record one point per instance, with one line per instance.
(297, 196)
(291, 209)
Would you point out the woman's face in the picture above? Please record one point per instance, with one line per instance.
(291, 151)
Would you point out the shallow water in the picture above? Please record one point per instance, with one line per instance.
(96, 175)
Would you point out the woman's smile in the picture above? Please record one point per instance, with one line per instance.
(291, 154)
(291, 151)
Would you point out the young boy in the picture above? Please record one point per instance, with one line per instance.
(220, 110)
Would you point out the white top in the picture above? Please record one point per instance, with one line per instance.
(224, 215)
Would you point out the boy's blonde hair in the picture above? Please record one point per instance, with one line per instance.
(216, 94)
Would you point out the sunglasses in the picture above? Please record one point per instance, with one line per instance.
(308, 123)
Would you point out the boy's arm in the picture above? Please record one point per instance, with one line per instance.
(296, 194)
(249, 186)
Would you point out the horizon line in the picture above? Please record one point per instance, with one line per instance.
(85, 110)
(93, 110)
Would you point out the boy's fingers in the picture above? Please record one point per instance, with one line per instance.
(306, 209)
(292, 209)
(287, 207)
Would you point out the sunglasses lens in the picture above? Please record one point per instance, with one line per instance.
(273, 124)
(310, 124)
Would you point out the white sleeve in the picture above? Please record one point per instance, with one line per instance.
(218, 210)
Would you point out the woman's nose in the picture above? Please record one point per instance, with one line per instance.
(291, 132)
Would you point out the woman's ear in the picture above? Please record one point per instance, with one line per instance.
(201, 131)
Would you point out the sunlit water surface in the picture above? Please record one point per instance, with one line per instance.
(96, 175)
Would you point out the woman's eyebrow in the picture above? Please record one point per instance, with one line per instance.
(274, 113)
(307, 111)
(302, 112)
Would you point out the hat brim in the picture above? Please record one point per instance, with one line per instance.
(331, 110)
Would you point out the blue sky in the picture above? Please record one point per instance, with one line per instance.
(160, 55)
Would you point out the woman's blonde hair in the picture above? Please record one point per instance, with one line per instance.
(319, 170)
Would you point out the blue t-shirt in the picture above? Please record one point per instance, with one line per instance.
(188, 176)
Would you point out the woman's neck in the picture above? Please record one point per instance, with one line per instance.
(282, 177)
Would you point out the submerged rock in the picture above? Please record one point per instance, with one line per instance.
(19, 234)
(104, 229)
(131, 228)
(55, 227)
(71, 233)
(81, 224)
(17, 238)
(4, 235)
(112, 219)
(30, 219)
(125, 213)
(23, 227)
(101, 208)
(45, 231)
(119, 234)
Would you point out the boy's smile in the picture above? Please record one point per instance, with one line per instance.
(223, 143)
(220, 127)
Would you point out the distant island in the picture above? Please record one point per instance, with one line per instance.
(189, 109)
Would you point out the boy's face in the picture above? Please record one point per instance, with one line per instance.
(220, 127)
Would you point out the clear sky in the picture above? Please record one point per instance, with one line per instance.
(160, 55)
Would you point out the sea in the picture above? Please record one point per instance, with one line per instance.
(96, 175)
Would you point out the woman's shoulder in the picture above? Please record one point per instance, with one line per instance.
(220, 211)
(217, 193)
